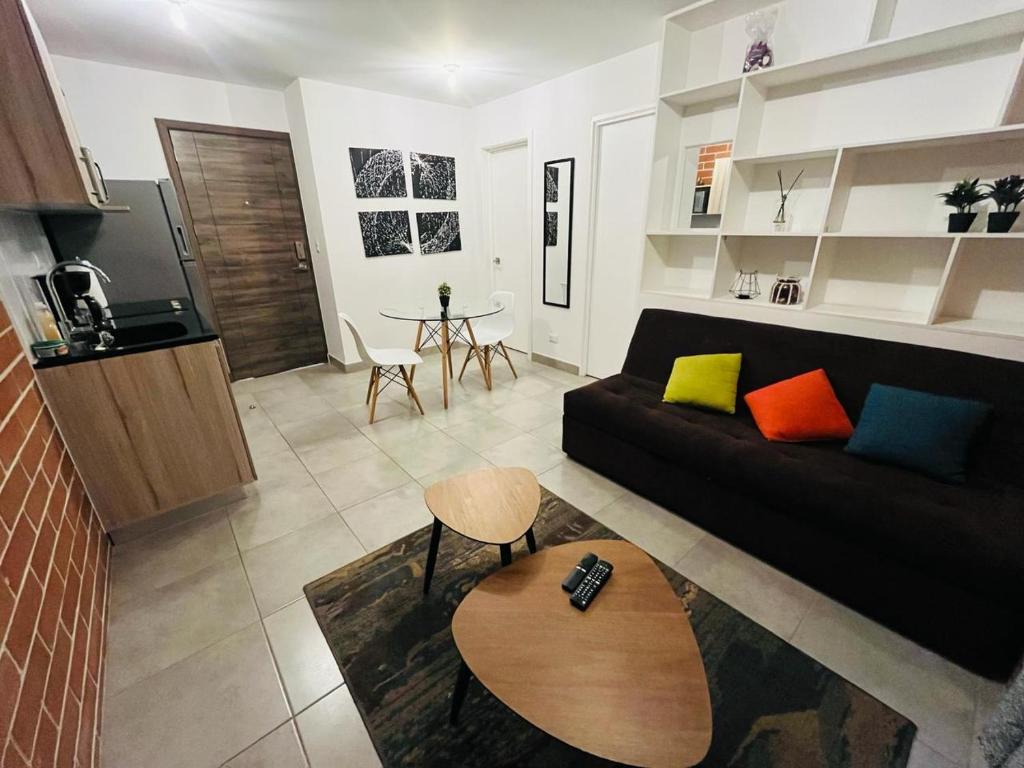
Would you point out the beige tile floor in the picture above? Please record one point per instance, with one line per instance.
(214, 657)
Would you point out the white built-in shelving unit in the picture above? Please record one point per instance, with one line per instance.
(883, 104)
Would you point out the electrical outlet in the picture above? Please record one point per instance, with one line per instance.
(553, 338)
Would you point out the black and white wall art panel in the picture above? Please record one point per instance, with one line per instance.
(433, 176)
(377, 172)
(550, 228)
(385, 233)
(550, 184)
(439, 231)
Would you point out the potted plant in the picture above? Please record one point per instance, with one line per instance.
(444, 294)
(1007, 193)
(964, 195)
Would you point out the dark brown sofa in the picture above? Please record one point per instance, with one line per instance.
(942, 564)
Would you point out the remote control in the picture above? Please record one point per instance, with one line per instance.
(578, 572)
(591, 585)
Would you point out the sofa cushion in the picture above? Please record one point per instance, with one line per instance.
(918, 430)
(706, 381)
(799, 409)
(974, 529)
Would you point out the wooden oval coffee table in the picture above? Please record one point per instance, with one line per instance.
(623, 680)
(492, 506)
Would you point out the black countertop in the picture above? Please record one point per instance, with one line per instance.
(133, 320)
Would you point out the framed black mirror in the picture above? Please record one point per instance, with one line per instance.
(557, 228)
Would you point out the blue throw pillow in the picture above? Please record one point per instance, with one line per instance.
(918, 430)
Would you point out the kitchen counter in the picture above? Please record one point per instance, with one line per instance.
(150, 430)
(143, 330)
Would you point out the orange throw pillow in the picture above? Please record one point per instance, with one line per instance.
(799, 409)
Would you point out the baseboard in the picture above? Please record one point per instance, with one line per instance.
(554, 362)
(334, 362)
(177, 515)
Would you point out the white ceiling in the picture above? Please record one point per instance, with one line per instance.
(395, 46)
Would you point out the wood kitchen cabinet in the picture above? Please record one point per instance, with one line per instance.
(150, 431)
(42, 164)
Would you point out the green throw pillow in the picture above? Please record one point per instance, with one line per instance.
(705, 380)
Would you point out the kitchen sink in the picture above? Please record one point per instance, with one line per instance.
(147, 334)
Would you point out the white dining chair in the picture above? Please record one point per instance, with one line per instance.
(385, 363)
(490, 333)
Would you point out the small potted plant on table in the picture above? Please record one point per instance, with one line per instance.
(1007, 193)
(964, 195)
(444, 295)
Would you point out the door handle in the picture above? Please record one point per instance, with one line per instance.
(99, 184)
(300, 257)
(183, 240)
(497, 260)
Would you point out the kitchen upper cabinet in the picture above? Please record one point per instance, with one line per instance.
(150, 431)
(42, 164)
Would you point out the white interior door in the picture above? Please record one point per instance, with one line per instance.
(509, 207)
(621, 151)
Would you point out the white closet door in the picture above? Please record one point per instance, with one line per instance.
(510, 234)
(622, 177)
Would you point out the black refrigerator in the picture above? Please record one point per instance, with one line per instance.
(144, 250)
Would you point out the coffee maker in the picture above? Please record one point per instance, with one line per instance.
(83, 316)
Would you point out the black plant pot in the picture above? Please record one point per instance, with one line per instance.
(961, 222)
(1001, 221)
(444, 301)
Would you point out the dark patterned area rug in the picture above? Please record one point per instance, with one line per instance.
(774, 707)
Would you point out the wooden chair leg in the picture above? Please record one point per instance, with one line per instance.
(412, 390)
(369, 388)
(419, 336)
(469, 354)
(508, 359)
(488, 359)
(376, 391)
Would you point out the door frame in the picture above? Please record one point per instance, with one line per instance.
(164, 127)
(488, 152)
(596, 125)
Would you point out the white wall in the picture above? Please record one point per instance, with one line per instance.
(557, 118)
(114, 110)
(326, 120)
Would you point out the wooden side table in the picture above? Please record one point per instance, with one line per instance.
(492, 506)
(624, 680)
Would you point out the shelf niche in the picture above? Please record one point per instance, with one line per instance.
(707, 42)
(769, 256)
(896, 190)
(679, 265)
(985, 291)
(754, 195)
(889, 278)
(680, 133)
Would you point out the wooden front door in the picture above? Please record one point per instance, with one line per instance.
(240, 198)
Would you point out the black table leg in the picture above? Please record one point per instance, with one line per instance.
(531, 543)
(459, 694)
(435, 540)
(506, 553)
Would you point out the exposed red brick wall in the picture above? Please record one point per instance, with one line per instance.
(706, 161)
(53, 583)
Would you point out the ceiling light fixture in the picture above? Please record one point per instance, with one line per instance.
(452, 70)
(178, 14)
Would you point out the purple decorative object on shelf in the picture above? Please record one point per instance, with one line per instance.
(760, 25)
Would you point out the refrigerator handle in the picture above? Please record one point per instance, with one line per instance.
(185, 255)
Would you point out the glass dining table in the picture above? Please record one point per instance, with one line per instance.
(442, 328)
